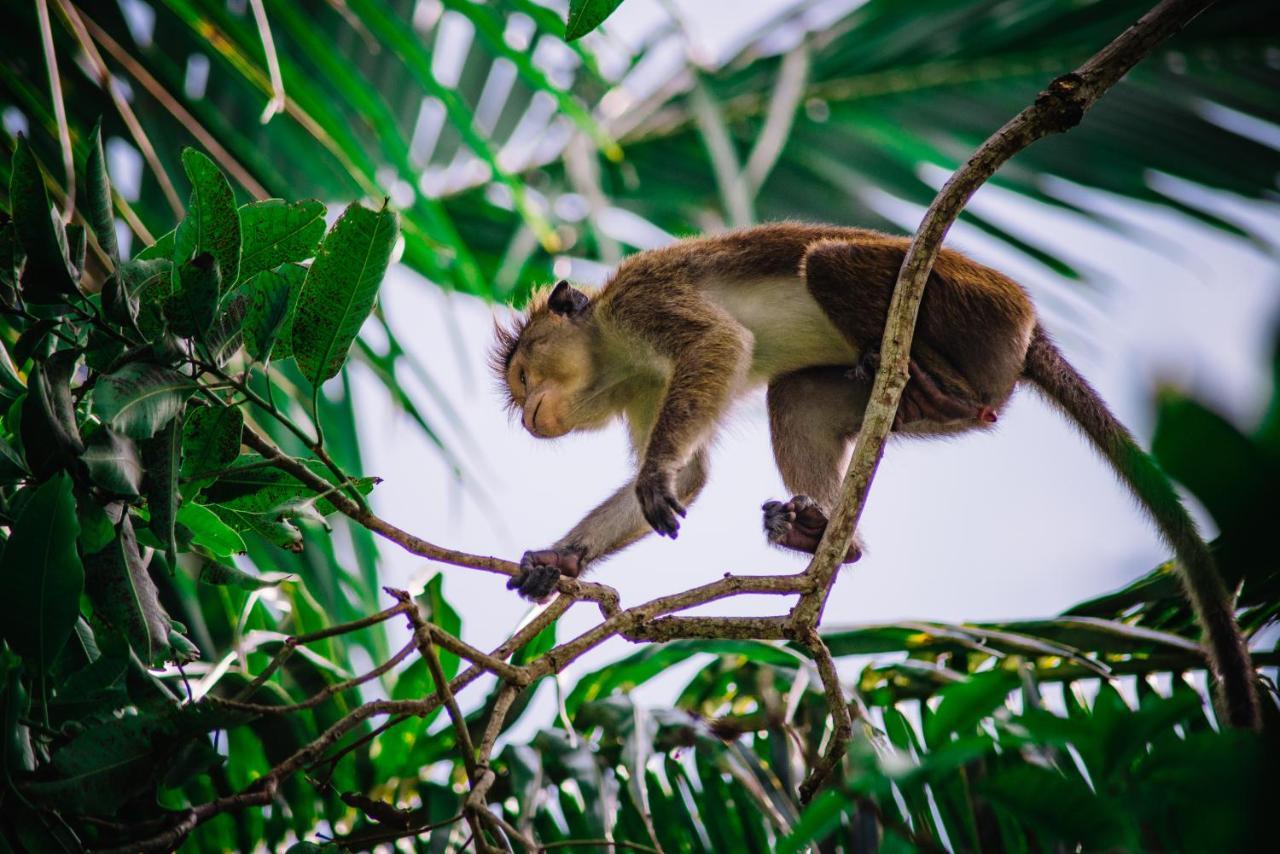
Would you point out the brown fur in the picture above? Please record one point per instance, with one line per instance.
(677, 333)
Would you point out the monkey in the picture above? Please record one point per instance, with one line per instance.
(678, 333)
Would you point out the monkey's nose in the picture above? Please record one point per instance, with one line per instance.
(531, 419)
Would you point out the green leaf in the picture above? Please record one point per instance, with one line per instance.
(271, 525)
(42, 575)
(50, 436)
(162, 249)
(11, 260)
(136, 294)
(48, 274)
(190, 308)
(1061, 807)
(113, 462)
(123, 594)
(276, 232)
(273, 298)
(253, 487)
(97, 196)
(139, 399)
(213, 223)
(107, 765)
(340, 289)
(964, 704)
(211, 440)
(442, 614)
(217, 573)
(208, 531)
(77, 248)
(162, 455)
(585, 15)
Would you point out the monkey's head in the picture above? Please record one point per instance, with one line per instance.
(545, 364)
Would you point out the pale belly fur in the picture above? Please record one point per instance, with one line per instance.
(789, 328)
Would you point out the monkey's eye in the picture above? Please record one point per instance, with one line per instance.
(524, 380)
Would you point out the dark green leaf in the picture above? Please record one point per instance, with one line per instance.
(1063, 808)
(48, 274)
(137, 292)
(123, 594)
(276, 232)
(214, 572)
(107, 765)
(50, 436)
(16, 754)
(964, 704)
(213, 223)
(11, 260)
(162, 455)
(113, 462)
(190, 308)
(253, 487)
(271, 525)
(97, 196)
(273, 297)
(77, 247)
(585, 15)
(342, 284)
(211, 440)
(42, 575)
(139, 399)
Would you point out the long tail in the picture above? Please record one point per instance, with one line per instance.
(1226, 648)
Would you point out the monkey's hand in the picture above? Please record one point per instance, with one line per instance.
(658, 503)
(540, 571)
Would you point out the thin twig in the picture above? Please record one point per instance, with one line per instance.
(59, 106)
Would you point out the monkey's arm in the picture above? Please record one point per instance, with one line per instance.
(612, 526)
(709, 353)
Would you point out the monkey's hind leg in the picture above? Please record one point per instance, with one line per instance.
(853, 283)
(813, 416)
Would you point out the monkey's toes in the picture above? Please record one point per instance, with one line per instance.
(535, 583)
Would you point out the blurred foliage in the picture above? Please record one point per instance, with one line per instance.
(131, 545)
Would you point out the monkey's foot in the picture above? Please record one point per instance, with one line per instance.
(924, 399)
(540, 572)
(799, 524)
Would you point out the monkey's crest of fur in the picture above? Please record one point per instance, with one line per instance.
(506, 339)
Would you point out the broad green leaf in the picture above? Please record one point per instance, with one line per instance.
(341, 286)
(209, 531)
(50, 436)
(139, 399)
(225, 336)
(113, 462)
(271, 525)
(256, 488)
(97, 196)
(443, 614)
(211, 440)
(48, 275)
(964, 704)
(137, 292)
(268, 323)
(107, 765)
(213, 223)
(42, 575)
(77, 248)
(162, 455)
(123, 594)
(276, 232)
(1063, 808)
(16, 753)
(161, 249)
(11, 260)
(189, 309)
(215, 572)
(585, 15)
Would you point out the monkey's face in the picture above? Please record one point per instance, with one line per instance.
(549, 376)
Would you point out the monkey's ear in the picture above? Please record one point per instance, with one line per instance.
(566, 300)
